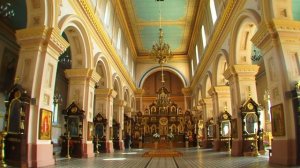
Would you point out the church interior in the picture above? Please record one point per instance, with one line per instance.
(188, 81)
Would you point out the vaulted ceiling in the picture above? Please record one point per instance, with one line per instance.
(177, 20)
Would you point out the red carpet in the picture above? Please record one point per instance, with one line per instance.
(162, 153)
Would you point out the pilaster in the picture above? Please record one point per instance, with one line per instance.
(81, 90)
(104, 101)
(242, 84)
(36, 70)
(187, 98)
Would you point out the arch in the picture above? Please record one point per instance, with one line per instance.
(79, 41)
(207, 85)
(126, 95)
(199, 94)
(101, 59)
(246, 18)
(158, 68)
(117, 85)
(219, 66)
(132, 103)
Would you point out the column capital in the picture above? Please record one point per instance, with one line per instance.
(244, 70)
(221, 90)
(186, 91)
(120, 102)
(105, 92)
(82, 74)
(205, 101)
(35, 37)
(139, 92)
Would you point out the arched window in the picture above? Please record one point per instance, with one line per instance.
(203, 37)
(213, 11)
(197, 55)
(119, 39)
(192, 67)
(107, 14)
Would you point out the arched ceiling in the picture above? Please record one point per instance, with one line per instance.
(177, 20)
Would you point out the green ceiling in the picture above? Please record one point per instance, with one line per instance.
(172, 10)
(172, 36)
(296, 10)
(144, 16)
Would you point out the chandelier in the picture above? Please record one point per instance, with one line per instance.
(161, 52)
(6, 9)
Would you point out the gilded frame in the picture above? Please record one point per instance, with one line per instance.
(278, 127)
(45, 126)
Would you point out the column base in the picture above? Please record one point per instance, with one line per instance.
(121, 144)
(207, 143)
(109, 146)
(88, 150)
(216, 145)
(284, 152)
(237, 148)
(40, 155)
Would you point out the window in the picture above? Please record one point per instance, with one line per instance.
(197, 55)
(213, 10)
(192, 67)
(203, 37)
(119, 39)
(107, 14)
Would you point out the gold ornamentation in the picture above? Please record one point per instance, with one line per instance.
(250, 106)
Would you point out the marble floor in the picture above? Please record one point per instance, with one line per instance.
(192, 158)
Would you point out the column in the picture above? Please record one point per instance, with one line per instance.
(279, 44)
(241, 82)
(81, 91)
(221, 100)
(207, 107)
(36, 70)
(104, 101)
(139, 99)
(187, 98)
(121, 106)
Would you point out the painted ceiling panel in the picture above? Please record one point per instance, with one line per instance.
(172, 36)
(296, 9)
(176, 21)
(148, 10)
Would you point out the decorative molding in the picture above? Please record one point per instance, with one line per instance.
(186, 91)
(43, 36)
(82, 73)
(220, 27)
(105, 93)
(241, 69)
(175, 58)
(103, 37)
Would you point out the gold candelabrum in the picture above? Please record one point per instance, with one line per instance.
(229, 146)
(97, 141)
(3, 135)
(255, 152)
(68, 146)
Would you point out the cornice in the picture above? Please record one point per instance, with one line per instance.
(186, 91)
(42, 35)
(196, 29)
(103, 38)
(82, 73)
(129, 35)
(149, 59)
(220, 27)
(241, 69)
(105, 92)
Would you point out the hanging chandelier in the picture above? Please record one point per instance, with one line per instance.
(161, 52)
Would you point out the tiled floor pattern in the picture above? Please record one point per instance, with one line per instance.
(192, 158)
